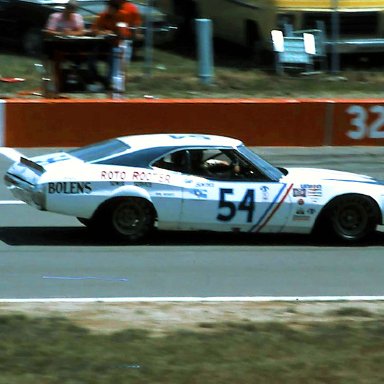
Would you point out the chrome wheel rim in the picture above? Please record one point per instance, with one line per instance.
(128, 219)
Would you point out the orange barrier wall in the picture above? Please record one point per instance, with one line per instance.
(358, 122)
(258, 122)
(73, 123)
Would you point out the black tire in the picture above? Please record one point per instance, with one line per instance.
(351, 218)
(33, 42)
(130, 219)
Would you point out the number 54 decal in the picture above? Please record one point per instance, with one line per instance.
(228, 209)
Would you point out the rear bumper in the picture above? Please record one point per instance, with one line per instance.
(24, 191)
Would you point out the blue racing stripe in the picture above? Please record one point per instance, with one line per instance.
(372, 181)
(269, 208)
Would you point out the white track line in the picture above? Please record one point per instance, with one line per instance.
(256, 299)
(11, 202)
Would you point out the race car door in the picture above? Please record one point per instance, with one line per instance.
(242, 201)
(244, 206)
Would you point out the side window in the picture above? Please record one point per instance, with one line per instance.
(216, 164)
(227, 164)
(243, 169)
(211, 163)
(185, 161)
(175, 161)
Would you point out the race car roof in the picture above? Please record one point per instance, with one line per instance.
(137, 142)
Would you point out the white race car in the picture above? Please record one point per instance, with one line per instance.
(127, 186)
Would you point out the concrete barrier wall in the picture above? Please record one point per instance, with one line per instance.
(258, 122)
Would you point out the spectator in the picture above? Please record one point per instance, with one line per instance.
(110, 22)
(133, 18)
(67, 22)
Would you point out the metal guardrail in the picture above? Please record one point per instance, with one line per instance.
(356, 45)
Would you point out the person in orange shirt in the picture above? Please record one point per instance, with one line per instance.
(133, 18)
(110, 22)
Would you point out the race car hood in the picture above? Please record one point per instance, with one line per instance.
(323, 175)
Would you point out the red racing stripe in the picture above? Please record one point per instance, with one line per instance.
(275, 209)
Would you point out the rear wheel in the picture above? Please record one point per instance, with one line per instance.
(130, 219)
(351, 218)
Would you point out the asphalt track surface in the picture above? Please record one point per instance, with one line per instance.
(44, 255)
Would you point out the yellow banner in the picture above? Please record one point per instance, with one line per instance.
(330, 3)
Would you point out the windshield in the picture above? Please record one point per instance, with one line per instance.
(99, 151)
(268, 169)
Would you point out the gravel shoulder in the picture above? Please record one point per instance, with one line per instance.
(165, 317)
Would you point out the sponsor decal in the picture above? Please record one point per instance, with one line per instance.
(205, 185)
(202, 193)
(265, 192)
(303, 215)
(165, 194)
(70, 188)
(313, 190)
(192, 136)
(113, 175)
(136, 176)
(143, 184)
(301, 218)
(54, 159)
(299, 192)
(151, 177)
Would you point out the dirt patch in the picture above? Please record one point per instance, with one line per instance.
(161, 318)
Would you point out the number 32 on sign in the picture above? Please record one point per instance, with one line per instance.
(367, 121)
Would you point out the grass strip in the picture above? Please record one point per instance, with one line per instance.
(54, 350)
(174, 75)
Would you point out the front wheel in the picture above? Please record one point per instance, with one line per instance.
(352, 218)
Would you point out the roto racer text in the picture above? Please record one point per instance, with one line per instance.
(136, 176)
